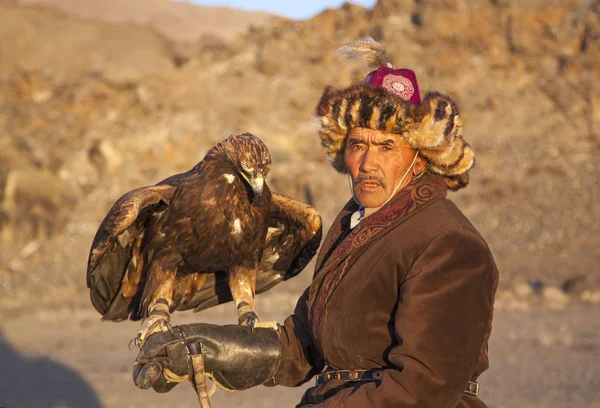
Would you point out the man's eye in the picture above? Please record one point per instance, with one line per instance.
(386, 148)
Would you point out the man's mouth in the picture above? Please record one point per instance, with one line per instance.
(369, 184)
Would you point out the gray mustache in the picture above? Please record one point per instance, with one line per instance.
(376, 179)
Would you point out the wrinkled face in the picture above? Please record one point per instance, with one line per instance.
(377, 161)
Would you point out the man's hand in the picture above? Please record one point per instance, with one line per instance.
(237, 357)
(162, 362)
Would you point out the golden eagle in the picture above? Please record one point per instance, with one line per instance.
(199, 239)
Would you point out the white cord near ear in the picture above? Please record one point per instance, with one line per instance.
(402, 179)
(395, 189)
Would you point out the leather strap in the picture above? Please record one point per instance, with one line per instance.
(471, 389)
(349, 375)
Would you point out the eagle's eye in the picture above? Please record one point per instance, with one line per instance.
(246, 169)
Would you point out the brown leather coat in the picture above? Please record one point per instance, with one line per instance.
(410, 289)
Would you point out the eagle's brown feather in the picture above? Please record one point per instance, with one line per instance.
(179, 239)
(123, 214)
(294, 234)
(112, 261)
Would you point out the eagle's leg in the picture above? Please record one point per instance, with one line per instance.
(161, 284)
(158, 320)
(242, 283)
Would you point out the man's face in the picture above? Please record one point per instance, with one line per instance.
(377, 161)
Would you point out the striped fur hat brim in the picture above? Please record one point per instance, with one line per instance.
(432, 127)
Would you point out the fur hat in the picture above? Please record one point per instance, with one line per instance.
(389, 100)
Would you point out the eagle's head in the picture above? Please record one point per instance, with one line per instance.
(249, 157)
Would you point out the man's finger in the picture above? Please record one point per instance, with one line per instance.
(146, 374)
(155, 346)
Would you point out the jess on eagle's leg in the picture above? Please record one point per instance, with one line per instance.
(158, 296)
(242, 283)
(157, 300)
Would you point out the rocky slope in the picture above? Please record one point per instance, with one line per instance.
(84, 118)
(177, 20)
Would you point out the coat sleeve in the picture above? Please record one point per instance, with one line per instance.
(443, 312)
(300, 359)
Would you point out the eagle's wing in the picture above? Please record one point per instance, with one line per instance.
(293, 238)
(115, 261)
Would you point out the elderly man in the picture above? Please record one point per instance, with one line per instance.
(400, 308)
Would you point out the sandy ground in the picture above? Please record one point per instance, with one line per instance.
(66, 357)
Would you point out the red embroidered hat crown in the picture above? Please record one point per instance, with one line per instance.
(400, 82)
(389, 100)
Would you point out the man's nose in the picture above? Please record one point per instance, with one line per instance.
(369, 161)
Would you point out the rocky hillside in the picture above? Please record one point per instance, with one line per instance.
(177, 20)
(84, 118)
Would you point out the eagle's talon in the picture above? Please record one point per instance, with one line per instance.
(137, 341)
(248, 319)
(156, 327)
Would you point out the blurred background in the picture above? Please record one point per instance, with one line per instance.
(98, 97)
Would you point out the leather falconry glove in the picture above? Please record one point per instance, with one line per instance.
(235, 357)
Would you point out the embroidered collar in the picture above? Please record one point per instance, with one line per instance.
(343, 246)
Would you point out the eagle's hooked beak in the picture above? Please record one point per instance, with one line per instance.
(256, 183)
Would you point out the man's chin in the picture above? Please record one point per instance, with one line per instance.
(371, 199)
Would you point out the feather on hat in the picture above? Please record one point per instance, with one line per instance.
(389, 100)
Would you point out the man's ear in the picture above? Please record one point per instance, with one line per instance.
(419, 166)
